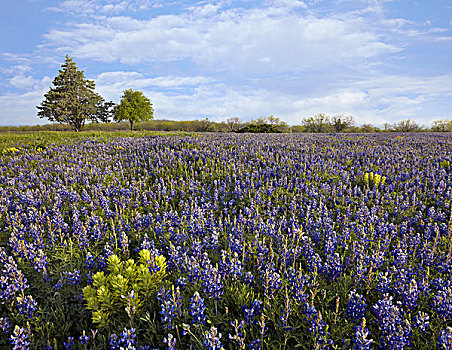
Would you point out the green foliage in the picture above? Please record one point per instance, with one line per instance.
(259, 128)
(340, 123)
(10, 150)
(72, 100)
(445, 163)
(374, 179)
(134, 107)
(442, 126)
(407, 125)
(318, 123)
(126, 286)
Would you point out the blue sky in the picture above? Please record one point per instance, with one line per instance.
(378, 60)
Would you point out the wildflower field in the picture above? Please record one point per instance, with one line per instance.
(227, 241)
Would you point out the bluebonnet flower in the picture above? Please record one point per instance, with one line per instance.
(333, 267)
(124, 243)
(90, 261)
(248, 278)
(176, 258)
(40, 261)
(298, 283)
(360, 340)
(197, 309)
(181, 283)
(149, 244)
(68, 278)
(271, 282)
(102, 259)
(421, 321)
(4, 324)
(68, 345)
(113, 342)
(170, 303)
(442, 300)
(211, 339)
(356, 307)
(256, 344)
(12, 280)
(19, 339)
(284, 318)
(384, 283)
(317, 326)
(238, 338)
(396, 331)
(230, 266)
(445, 339)
(73, 278)
(83, 339)
(27, 306)
(252, 313)
(212, 284)
(127, 338)
(170, 342)
(424, 285)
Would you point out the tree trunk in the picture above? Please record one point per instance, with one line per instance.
(131, 126)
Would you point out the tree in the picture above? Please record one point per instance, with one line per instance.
(134, 107)
(105, 111)
(259, 128)
(368, 128)
(387, 127)
(202, 125)
(272, 120)
(233, 123)
(317, 123)
(340, 122)
(442, 125)
(407, 125)
(259, 121)
(72, 100)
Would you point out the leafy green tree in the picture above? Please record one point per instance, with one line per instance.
(442, 126)
(368, 128)
(318, 123)
(340, 122)
(72, 100)
(134, 107)
(233, 123)
(407, 125)
(259, 121)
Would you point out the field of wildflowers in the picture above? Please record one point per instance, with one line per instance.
(227, 241)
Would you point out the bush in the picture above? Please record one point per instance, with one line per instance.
(259, 128)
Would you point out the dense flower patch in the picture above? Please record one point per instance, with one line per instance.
(228, 241)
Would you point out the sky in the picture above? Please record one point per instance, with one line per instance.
(379, 60)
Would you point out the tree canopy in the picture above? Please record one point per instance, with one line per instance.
(134, 107)
(73, 100)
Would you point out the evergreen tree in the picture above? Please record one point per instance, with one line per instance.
(134, 107)
(72, 100)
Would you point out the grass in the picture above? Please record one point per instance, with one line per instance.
(42, 138)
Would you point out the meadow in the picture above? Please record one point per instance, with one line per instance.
(210, 241)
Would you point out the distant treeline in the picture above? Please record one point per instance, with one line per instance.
(320, 123)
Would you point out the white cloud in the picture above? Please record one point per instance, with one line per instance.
(20, 108)
(283, 57)
(102, 7)
(115, 8)
(390, 85)
(22, 82)
(112, 84)
(139, 80)
(376, 101)
(443, 38)
(256, 40)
